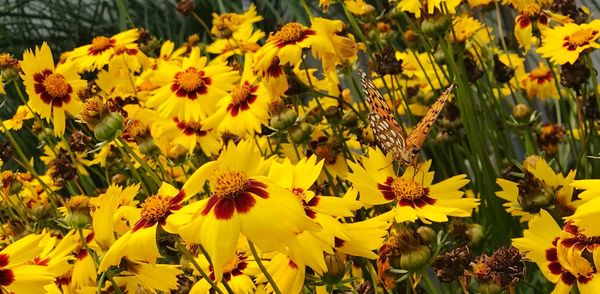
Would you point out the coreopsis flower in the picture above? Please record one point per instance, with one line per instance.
(191, 91)
(226, 24)
(102, 50)
(563, 256)
(152, 277)
(358, 7)
(245, 109)
(114, 210)
(139, 243)
(324, 210)
(188, 134)
(284, 46)
(539, 83)
(334, 47)
(565, 43)
(235, 33)
(413, 194)
(286, 274)
(238, 273)
(539, 188)
(588, 211)
(418, 7)
(17, 274)
(116, 83)
(53, 91)
(467, 28)
(242, 201)
(21, 115)
(57, 253)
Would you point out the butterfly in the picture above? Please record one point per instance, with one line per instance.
(388, 133)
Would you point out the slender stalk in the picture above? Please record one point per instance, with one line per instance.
(263, 268)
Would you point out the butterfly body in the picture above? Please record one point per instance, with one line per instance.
(388, 133)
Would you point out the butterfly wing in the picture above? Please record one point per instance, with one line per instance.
(386, 129)
(419, 134)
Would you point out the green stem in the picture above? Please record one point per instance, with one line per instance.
(190, 256)
(263, 268)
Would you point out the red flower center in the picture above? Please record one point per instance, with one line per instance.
(233, 191)
(156, 209)
(190, 83)
(241, 98)
(52, 88)
(406, 191)
(579, 38)
(100, 44)
(190, 127)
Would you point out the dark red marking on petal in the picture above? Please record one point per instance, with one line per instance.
(4, 259)
(339, 242)
(224, 208)
(568, 278)
(210, 204)
(244, 202)
(551, 254)
(555, 268)
(7, 277)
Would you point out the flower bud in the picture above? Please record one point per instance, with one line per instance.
(411, 38)
(147, 147)
(521, 111)
(78, 212)
(475, 233)
(108, 127)
(415, 259)
(336, 269)
(284, 119)
(349, 119)
(427, 234)
(441, 24)
(301, 132)
(428, 27)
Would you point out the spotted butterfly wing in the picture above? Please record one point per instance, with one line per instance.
(387, 131)
(419, 134)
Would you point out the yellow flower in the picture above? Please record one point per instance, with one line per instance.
(139, 243)
(539, 83)
(413, 194)
(52, 90)
(148, 277)
(562, 256)
(564, 44)
(226, 24)
(284, 46)
(359, 7)
(586, 214)
(245, 109)
(121, 47)
(417, 7)
(243, 201)
(333, 47)
(238, 273)
(469, 30)
(16, 122)
(479, 3)
(539, 188)
(17, 274)
(168, 133)
(286, 274)
(324, 210)
(191, 91)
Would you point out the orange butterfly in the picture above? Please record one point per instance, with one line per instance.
(387, 131)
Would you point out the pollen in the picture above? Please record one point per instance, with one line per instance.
(289, 33)
(100, 43)
(77, 202)
(532, 9)
(56, 85)
(230, 183)
(407, 189)
(190, 79)
(156, 207)
(240, 93)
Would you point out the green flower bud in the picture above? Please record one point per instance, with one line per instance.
(301, 132)
(283, 120)
(109, 125)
